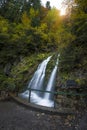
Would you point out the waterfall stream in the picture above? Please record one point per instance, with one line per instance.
(37, 82)
(38, 78)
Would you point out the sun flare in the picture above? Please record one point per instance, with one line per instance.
(62, 11)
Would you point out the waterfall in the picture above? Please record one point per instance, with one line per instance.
(48, 100)
(51, 82)
(38, 78)
(37, 82)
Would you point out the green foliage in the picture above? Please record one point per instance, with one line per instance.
(7, 83)
(74, 55)
(11, 10)
(34, 16)
(53, 19)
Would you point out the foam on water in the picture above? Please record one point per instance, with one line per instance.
(37, 83)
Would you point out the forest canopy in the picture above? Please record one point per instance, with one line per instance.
(26, 27)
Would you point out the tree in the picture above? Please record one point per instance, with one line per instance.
(25, 20)
(48, 5)
(11, 10)
(35, 17)
(74, 55)
(36, 4)
(53, 19)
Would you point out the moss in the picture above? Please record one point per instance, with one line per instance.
(6, 83)
(81, 81)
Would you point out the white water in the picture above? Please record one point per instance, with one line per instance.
(37, 83)
(48, 99)
(38, 78)
(51, 82)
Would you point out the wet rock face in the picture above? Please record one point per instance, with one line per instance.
(7, 68)
(71, 84)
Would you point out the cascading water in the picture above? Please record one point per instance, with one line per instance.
(38, 78)
(51, 82)
(37, 83)
(48, 97)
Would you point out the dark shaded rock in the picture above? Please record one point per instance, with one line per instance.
(7, 69)
(71, 84)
